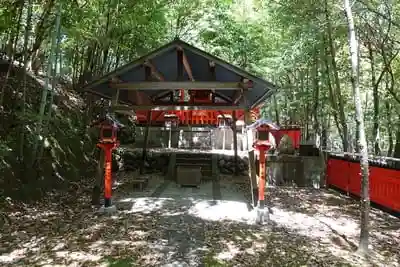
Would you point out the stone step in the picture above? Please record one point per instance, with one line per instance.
(194, 164)
(193, 155)
(195, 161)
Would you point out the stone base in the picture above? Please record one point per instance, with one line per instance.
(262, 216)
(107, 210)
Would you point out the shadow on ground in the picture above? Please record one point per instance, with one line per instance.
(163, 235)
(341, 215)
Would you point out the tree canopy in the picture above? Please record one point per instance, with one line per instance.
(299, 45)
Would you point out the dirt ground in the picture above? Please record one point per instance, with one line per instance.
(166, 225)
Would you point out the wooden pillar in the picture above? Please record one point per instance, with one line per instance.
(180, 71)
(235, 144)
(223, 139)
(146, 138)
(147, 74)
(115, 97)
(252, 164)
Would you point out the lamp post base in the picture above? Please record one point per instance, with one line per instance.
(262, 216)
(108, 210)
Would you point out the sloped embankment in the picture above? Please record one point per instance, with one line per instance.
(68, 152)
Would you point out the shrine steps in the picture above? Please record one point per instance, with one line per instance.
(204, 161)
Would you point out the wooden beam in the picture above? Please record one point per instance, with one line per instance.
(179, 85)
(154, 72)
(186, 65)
(223, 97)
(159, 76)
(126, 112)
(160, 95)
(175, 107)
(238, 95)
(115, 97)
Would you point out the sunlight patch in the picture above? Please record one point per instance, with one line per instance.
(13, 256)
(314, 226)
(229, 253)
(220, 210)
(78, 256)
(145, 204)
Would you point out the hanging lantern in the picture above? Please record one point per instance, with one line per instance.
(262, 128)
(262, 133)
(171, 120)
(108, 129)
(224, 121)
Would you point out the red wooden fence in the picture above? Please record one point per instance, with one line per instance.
(345, 174)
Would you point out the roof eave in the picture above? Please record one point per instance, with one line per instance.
(131, 65)
(264, 97)
(225, 64)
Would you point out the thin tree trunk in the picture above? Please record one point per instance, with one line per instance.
(43, 101)
(365, 203)
(55, 52)
(26, 56)
(332, 95)
(316, 96)
(388, 109)
(11, 54)
(338, 93)
(389, 127)
(396, 153)
(375, 94)
(276, 109)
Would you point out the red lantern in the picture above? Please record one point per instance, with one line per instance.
(108, 132)
(263, 133)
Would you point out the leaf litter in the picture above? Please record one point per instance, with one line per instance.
(307, 228)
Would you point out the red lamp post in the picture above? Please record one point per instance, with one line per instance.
(108, 141)
(262, 145)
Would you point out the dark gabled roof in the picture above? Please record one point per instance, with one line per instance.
(165, 61)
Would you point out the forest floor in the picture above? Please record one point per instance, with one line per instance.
(211, 226)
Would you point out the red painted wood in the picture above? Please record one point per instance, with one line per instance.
(294, 135)
(337, 171)
(191, 117)
(384, 182)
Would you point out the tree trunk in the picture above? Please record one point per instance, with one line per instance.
(317, 130)
(365, 203)
(43, 101)
(11, 53)
(26, 55)
(375, 94)
(276, 111)
(396, 152)
(42, 26)
(388, 109)
(332, 95)
(338, 93)
(55, 52)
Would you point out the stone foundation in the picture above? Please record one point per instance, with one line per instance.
(226, 164)
(130, 160)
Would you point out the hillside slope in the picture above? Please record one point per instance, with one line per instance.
(69, 149)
